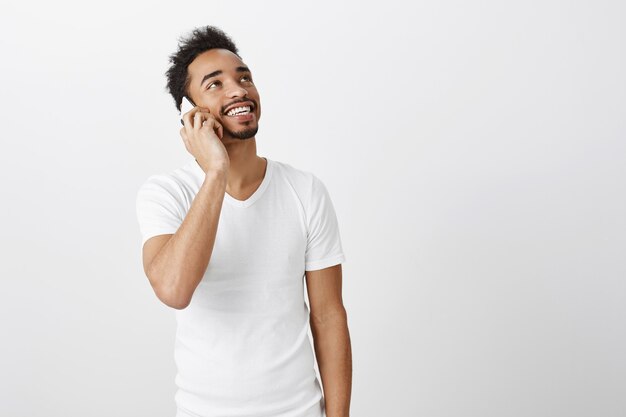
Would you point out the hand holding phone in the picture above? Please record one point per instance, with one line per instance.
(202, 135)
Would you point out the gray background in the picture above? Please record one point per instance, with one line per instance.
(475, 153)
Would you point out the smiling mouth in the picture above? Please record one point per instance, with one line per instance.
(239, 108)
(239, 111)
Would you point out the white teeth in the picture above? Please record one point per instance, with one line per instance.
(238, 110)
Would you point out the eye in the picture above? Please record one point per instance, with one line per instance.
(212, 84)
(248, 77)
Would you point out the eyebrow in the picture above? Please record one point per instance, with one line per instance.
(218, 72)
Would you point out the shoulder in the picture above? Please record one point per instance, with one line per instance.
(302, 178)
(175, 181)
(170, 186)
(291, 172)
(305, 183)
(162, 182)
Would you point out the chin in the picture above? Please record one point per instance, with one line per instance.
(244, 133)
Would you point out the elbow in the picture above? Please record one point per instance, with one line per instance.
(178, 305)
(173, 298)
(172, 294)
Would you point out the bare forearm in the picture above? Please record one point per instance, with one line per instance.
(180, 265)
(334, 358)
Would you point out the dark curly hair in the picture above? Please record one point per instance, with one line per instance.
(198, 41)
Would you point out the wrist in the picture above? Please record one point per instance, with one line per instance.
(217, 174)
(214, 170)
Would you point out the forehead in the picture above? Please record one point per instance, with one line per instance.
(213, 60)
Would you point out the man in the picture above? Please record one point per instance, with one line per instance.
(228, 240)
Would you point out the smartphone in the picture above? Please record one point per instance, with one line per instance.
(185, 106)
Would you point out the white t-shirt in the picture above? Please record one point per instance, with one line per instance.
(242, 346)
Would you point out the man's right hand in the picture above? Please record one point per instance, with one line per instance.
(202, 135)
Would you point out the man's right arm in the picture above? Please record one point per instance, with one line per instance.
(175, 264)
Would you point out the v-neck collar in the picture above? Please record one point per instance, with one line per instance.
(269, 169)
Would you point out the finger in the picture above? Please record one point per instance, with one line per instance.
(204, 121)
(220, 130)
(198, 121)
(214, 125)
(188, 119)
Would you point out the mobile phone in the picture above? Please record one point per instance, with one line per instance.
(185, 106)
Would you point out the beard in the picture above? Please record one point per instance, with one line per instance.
(243, 134)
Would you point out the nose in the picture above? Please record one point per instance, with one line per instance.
(237, 91)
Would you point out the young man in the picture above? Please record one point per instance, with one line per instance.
(228, 239)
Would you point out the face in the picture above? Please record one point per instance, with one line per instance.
(220, 81)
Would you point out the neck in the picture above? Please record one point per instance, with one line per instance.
(246, 167)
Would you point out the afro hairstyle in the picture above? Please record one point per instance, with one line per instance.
(198, 41)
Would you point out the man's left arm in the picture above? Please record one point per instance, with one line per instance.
(331, 338)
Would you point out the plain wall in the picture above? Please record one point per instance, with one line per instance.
(474, 151)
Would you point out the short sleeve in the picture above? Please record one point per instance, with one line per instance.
(323, 247)
(159, 209)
